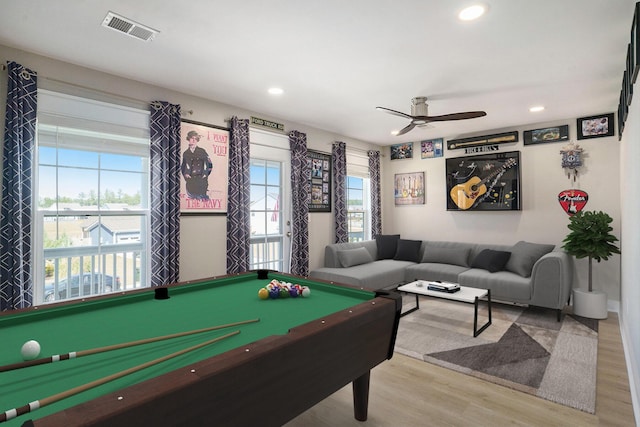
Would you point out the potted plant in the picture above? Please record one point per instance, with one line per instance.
(590, 237)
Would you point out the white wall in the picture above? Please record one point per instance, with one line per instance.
(630, 287)
(541, 219)
(203, 238)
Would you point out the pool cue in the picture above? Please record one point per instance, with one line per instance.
(32, 406)
(76, 354)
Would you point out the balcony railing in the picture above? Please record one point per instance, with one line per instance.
(81, 271)
(266, 252)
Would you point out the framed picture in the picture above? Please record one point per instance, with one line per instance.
(488, 182)
(635, 45)
(431, 148)
(408, 188)
(550, 134)
(476, 141)
(204, 168)
(595, 126)
(320, 181)
(402, 151)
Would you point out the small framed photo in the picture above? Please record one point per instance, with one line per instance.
(550, 134)
(409, 188)
(595, 126)
(431, 148)
(402, 151)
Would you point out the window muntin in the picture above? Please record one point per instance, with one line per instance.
(91, 198)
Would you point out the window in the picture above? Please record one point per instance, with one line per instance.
(91, 197)
(358, 197)
(358, 218)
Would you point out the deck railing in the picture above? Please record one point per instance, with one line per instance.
(103, 269)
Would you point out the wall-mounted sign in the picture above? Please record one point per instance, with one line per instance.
(498, 138)
(256, 121)
(573, 201)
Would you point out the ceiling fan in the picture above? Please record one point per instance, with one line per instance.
(420, 116)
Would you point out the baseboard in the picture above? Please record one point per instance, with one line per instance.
(613, 305)
(633, 372)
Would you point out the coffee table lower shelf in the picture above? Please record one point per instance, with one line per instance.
(465, 294)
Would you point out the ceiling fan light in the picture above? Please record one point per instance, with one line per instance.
(536, 109)
(472, 12)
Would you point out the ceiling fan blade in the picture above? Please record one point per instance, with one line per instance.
(457, 116)
(394, 112)
(406, 129)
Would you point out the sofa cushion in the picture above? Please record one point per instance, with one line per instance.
(524, 255)
(491, 260)
(455, 256)
(387, 245)
(434, 271)
(351, 257)
(408, 250)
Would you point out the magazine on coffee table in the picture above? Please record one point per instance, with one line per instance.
(443, 287)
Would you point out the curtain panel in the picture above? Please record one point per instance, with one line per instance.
(339, 160)
(239, 198)
(165, 192)
(16, 282)
(376, 207)
(300, 197)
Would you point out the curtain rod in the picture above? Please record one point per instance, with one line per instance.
(94, 90)
(361, 150)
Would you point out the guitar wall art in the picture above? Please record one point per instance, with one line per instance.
(489, 182)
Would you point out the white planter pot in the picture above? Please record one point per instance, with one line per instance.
(590, 304)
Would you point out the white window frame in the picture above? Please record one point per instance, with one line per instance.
(126, 126)
(358, 166)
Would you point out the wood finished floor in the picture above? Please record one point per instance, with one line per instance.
(406, 392)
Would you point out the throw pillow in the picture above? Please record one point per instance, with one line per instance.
(387, 245)
(408, 250)
(524, 255)
(351, 257)
(491, 260)
(457, 256)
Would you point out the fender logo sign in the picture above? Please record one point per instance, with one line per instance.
(573, 201)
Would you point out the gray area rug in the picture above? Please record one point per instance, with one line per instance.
(525, 348)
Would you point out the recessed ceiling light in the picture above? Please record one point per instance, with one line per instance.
(275, 91)
(536, 109)
(472, 12)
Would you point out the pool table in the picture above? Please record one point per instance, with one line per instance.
(299, 352)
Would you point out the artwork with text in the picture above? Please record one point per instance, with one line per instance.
(487, 182)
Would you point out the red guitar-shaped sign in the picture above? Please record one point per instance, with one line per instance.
(464, 195)
(573, 201)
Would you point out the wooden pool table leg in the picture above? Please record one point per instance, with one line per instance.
(361, 396)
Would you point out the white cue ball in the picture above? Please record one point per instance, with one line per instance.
(30, 350)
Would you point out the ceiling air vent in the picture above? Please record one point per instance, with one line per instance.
(129, 27)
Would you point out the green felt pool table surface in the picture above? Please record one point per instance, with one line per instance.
(118, 318)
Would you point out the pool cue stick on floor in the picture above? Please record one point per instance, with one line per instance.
(32, 406)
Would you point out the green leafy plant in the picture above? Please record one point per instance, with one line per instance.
(591, 237)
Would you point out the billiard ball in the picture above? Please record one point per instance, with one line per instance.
(30, 350)
(263, 293)
(306, 291)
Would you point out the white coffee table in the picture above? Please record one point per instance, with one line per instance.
(465, 294)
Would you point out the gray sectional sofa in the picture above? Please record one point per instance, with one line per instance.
(525, 273)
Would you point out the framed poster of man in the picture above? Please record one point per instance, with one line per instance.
(204, 168)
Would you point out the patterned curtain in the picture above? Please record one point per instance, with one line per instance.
(339, 157)
(376, 207)
(16, 284)
(238, 221)
(300, 197)
(165, 193)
